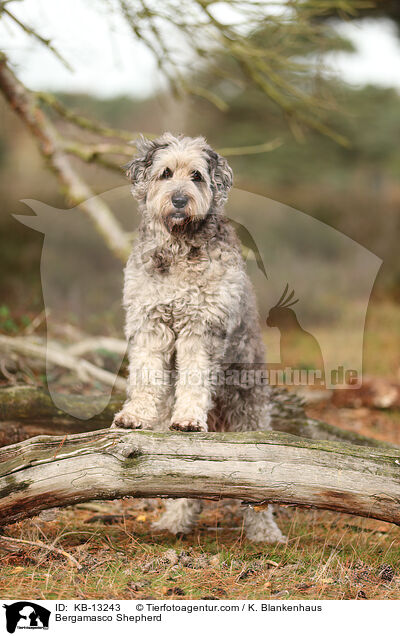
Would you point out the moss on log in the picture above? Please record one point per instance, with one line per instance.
(256, 467)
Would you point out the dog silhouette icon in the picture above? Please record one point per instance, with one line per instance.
(26, 615)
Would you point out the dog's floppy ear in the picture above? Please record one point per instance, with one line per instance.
(136, 169)
(221, 176)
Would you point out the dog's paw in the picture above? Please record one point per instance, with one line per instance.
(189, 426)
(269, 533)
(173, 526)
(266, 537)
(125, 419)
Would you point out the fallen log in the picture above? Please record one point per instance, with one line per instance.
(28, 411)
(256, 467)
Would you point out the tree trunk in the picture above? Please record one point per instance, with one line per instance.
(27, 411)
(256, 467)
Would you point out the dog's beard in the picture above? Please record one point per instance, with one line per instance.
(186, 225)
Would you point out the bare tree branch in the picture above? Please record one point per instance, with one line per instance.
(27, 29)
(25, 104)
(84, 122)
(251, 150)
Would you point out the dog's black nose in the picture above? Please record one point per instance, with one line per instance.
(179, 200)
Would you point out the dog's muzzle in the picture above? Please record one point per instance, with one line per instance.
(178, 216)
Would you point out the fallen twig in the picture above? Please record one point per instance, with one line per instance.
(114, 345)
(45, 546)
(59, 357)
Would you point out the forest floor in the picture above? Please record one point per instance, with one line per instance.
(326, 556)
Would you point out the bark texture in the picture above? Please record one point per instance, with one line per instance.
(257, 467)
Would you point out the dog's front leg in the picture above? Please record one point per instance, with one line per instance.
(193, 390)
(149, 389)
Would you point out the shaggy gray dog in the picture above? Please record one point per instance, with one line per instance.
(191, 314)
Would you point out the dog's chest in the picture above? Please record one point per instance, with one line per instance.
(187, 284)
(178, 289)
(184, 290)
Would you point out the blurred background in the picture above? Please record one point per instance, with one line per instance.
(302, 97)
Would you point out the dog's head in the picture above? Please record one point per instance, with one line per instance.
(179, 179)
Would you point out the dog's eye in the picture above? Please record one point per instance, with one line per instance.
(196, 176)
(167, 174)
